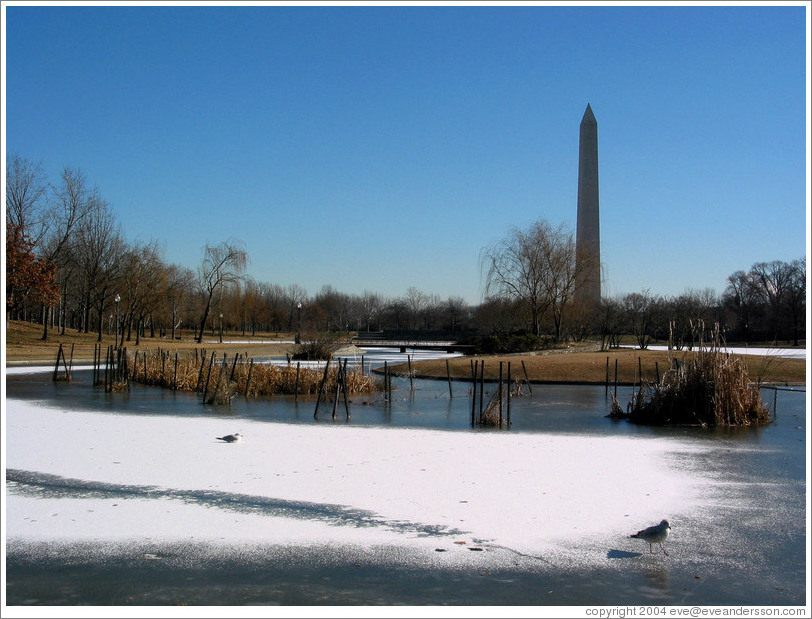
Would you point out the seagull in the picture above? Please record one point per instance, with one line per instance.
(230, 438)
(654, 535)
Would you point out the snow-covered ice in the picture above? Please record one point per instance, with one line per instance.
(114, 477)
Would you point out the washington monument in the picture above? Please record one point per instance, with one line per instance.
(588, 234)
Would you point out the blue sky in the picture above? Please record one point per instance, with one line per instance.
(382, 147)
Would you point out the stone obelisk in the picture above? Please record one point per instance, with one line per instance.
(587, 236)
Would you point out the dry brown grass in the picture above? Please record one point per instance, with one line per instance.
(24, 345)
(221, 377)
(590, 367)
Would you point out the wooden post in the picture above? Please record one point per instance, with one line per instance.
(208, 376)
(117, 365)
(474, 371)
(321, 387)
(96, 362)
(234, 366)
(640, 371)
(202, 362)
(508, 394)
(70, 365)
(344, 389)
(107, 368)
(481, 386)
(386, 380)
(126, 373)
(448, 374)
(221, 377)
(606, 391)
(338, 388)
(248, 380)
(411, 376)
(175, 374)
(615, 377)
(296, 388)
(56, 366)
(500, 393)
(526, 379)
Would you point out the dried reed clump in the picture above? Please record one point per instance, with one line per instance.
(222, 378)
(490, 416)
(713, 389)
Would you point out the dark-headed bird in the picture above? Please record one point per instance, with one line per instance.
(654, 535)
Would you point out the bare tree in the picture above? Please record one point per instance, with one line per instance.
(253, 310)
(73, 200)
(371, 306)
(643, 315)
(454, 309)
(795, 297)
(535, 267)
(690, 315)
(26, 198)
(99, 249)
(295, 297)
(179, 284)
(609, 321)
(561, 273)
(417, 303)
(276, 306)
(142, 283)
(222, 264)
(744, 297)
(773, 279)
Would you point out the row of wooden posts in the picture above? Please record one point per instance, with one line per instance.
(496, 412)
(68, 366)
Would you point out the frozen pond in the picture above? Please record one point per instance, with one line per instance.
(736, 499)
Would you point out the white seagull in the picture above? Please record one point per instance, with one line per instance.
(654, 535)
(230, 438)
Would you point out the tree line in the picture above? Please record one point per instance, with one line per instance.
(70, 266)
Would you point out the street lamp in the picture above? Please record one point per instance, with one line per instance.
(117, 300)
(221, 327)
(299, 324)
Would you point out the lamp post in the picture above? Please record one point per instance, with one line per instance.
(299, 324)
(117, 300)
(221, 327)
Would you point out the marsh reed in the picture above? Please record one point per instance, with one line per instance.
(712, 389)
(221, 377)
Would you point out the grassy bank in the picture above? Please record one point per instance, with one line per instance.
(590, 367)
(24, 346)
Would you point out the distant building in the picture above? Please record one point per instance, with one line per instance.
(588, 234)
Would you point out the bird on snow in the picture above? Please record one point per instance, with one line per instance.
(230, 438)
(654, 535)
